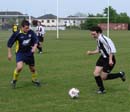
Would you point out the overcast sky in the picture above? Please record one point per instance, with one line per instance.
(66, 7)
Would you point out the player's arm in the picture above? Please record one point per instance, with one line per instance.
(9, 54)
(112, 52)
(10, 44)
(110, 59)
(35, 41)
(34, 48)
(93, 52)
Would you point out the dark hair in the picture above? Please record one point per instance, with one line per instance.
(34, 22)
(97, 29)
(25, 23)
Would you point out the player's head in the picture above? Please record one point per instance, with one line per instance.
(95, 31)
(25, 26)
(34, 22)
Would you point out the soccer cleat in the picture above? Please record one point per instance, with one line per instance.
(101, 91)
(123, 78)
(36, 83)
(13, 84)
(40, 52)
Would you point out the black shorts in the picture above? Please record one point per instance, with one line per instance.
(40, 38)
(104, 62)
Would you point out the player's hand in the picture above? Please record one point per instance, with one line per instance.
(33, 50)
(88, 52)
(111, 62)
(9, 57)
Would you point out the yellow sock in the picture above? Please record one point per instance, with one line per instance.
(34, 76)
(15, 75)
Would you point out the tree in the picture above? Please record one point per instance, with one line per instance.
(112, 14)
(114, 17)
(79, 14)
(123, 18)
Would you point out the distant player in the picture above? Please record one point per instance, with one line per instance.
(106, 61)
(14, 28)
(40, 31)
(27, 42)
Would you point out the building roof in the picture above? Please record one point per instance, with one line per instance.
(10, 13)
(47, 16)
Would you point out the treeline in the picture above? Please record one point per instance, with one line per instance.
(114, 17)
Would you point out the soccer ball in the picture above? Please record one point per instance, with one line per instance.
(74, 93)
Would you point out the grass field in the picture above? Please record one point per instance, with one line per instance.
(64, 65)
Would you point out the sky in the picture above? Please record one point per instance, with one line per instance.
(38, 8)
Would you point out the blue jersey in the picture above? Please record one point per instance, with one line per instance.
(24, 41)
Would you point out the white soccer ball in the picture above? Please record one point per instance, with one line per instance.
(74, 93)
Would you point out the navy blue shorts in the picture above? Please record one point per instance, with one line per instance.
(27, 58)
(104, 62)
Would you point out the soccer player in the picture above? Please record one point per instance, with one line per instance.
(14, 28)
(26, 41)
(106, 61)
(40, 31)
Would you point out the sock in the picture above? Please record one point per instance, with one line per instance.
(38, 48)
(113, 76)
(15, 75)
(34, 76)
(41, 49)
(99, 83)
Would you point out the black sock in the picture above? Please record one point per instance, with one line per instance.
(39, 48)
(113, 76)
(99, 83)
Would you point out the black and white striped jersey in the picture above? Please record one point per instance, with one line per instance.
(105, 46)
(40, 31)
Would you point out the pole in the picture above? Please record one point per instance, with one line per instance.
(57, 23)
(108, 18)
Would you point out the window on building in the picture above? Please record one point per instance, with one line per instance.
(48, 21)
(53, 21)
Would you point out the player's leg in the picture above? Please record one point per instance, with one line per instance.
(16, 72)
(97, 74)
(39, 44)
(33, 71)
(35, 80)
(39, 47)
(111, 76)
(98, 79)
(31, 62)
(106, 75)
(18, 69)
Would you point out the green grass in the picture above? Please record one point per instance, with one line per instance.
(64, 65)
